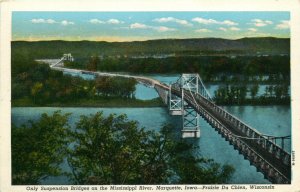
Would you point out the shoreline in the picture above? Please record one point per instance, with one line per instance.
(105, 103)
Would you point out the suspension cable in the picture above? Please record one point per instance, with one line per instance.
(239, 136)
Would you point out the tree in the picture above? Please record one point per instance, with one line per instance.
(36, 89)
(109, 151)
(116, 86)
(278, 91)
(39, 148)
(93, 63)
(113, 150)
(254, 90)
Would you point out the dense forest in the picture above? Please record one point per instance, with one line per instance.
(36, 84)
(210, 68)
(107, 150)
(240, 63)
(201, 46)
(237, 76)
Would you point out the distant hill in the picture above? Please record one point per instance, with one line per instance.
(201, 46)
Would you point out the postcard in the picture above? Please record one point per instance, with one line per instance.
(149, 96)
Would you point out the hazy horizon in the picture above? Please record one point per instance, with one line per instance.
(151, 39)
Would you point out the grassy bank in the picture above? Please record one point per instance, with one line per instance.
(100, 102)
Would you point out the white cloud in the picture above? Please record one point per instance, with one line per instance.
(202, 30)
(96, 21)
(260, 23)
(172, 19)
(51, 21)
(268, 22)
(65, 22)
(204, 21)
(143, 26)
(139, 26)
(252, 29)
(222, 29)
(212, 21)
(284, 24)
(163, 29)
(228, 22)
(37, 20)
(110, 21)
(47, 21)
(234, 29)
(114, 21)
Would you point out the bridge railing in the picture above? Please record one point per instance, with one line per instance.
(246, 129)
(252, 133)
(271, 172)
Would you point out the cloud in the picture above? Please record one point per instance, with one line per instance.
(139, 26)
(202, 30)
(51, 21)
(228, 22)
(252, 29)
(234, 29)
(96, 21)
(65, 23)
(212, 21)
(284, 24)
(222, 29)
(143, 26)
(204, 21)
(110, 21)
(260, 23)
(163, 29)
(172, 19)
(114, 21)
(47, 21)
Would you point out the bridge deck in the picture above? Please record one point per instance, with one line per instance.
(209, 107)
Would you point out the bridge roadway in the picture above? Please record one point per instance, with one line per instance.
(266, 156)
(255, 150)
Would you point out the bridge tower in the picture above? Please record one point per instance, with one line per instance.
(190, 118)
(175, 102)
(68, 57)
(192, 84)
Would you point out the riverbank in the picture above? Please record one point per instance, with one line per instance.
(99, 102)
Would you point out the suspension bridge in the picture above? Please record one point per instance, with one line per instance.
(189, 98)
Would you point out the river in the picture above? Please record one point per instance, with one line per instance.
(272, 120)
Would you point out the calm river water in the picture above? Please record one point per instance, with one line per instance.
(272, 120)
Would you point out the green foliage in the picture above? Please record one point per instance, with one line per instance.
(113, 150)
(236, 95)
(43, 85)
(93, 63)
(116, 86)
(39, 148)
(107, 150)
(209, 56)
(200, 46)
(254, 90)
(231, 94)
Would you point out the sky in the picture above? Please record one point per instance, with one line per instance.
(139, 26)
